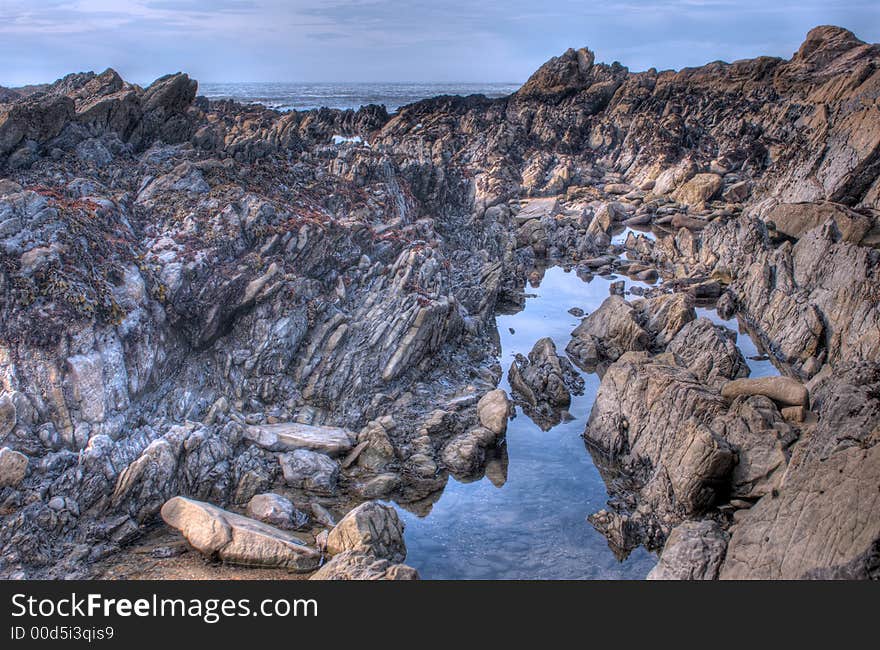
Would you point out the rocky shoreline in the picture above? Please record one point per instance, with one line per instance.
(229, 321)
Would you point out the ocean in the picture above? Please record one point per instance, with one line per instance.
(306, 96)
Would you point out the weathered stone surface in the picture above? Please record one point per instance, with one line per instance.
(699, 189)
(798, 534)
(544, 383)
(353, 565)
(795, 219)
(464, 454)
(652, 419)
(694, 550)
(289, 436)
(607, 333)
(237, 539)
(709, 351)
(493, 410)
(274, 509)
(755, 429)
(371, 528)
(783, 390)
(13, 467)
(310, 471)
(8, 415)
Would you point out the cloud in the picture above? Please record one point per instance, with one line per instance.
(440, 40)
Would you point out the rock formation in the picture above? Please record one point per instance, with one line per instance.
(203, 302)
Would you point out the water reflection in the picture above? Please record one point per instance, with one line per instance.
(525, 517)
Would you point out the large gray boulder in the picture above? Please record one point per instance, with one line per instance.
(236, 539)
(370, 528)
(290, 436)
(709, 351)
(13, 467)
(607, 333)
(310, 471)
(651, 418)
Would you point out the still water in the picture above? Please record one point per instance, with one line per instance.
(534, 525)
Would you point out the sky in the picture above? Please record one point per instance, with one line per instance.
(396, 40)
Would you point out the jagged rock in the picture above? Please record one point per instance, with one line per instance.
(13, 467)
(795, 219)
(709, 351)
(755, 429)
(352, 565)
(274, 509)
(310, 470)
(544, 376)
(236, 539)
(694, 550)
(378, 451)
(664, 316)
(8, 415)
(607, 333)
(699, 189)
(738, 192)
(651, 418)
(290, 436)
(371, 528)
(783, 390)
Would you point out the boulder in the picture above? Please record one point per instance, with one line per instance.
(236, 539)
(543, 376)
(694, 550)
(13, 467)
(274, 509)
(761, 438)
(353, 565)
(378, 451)
(782, 390)
(607, 333)
(464, 454)
(493, 410)
(310, 471)
(709, 351)
(290, 436)
(737, 192)
(699, 189)
(650, 418)
(8, 415)
(371, 528)
(795, 219)
(537, 208)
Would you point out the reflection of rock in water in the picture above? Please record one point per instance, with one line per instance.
(496, 465)
(420, 502)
